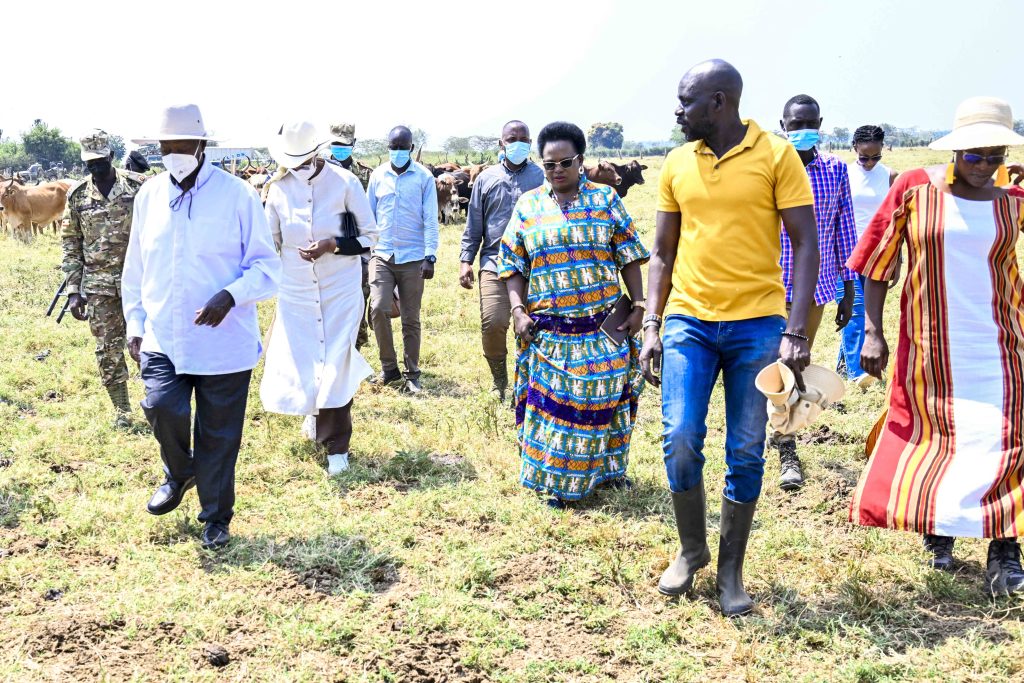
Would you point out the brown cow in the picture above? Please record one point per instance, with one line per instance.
(475, 170)
(448, 199)
(631, 174)
(445, 168)
(25, 207)
(603, 174)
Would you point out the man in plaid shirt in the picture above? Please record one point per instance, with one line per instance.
(837, 236)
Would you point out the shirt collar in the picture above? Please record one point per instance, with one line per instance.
(117, 189)
(411, 169)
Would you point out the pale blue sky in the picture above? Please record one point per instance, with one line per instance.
(460, 68)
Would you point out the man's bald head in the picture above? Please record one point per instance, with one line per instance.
(714, 75)
(400, 137)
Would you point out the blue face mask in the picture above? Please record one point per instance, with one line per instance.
(341, 153)
(804, 139)
(399, 157)
(517, 152)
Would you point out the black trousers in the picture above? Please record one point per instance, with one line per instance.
(220, 414)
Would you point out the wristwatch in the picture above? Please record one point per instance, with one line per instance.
(431, 260)
(641, 304)
(651, 320)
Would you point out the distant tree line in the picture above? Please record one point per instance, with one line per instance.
(47, 145)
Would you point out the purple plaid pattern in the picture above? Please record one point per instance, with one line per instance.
(837, 231)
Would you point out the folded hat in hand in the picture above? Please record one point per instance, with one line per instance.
(790, 410)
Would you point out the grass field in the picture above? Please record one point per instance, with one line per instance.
(427, 561)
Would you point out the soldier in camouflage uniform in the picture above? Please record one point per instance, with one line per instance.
(343, 139)
(94, 237)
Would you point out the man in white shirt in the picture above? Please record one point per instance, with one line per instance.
(199, 257)
(403, 198)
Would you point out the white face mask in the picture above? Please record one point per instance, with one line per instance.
(181, 165)
(306, 171)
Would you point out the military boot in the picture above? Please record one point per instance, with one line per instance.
(792, 476)
(499, 375)
(1004, 575)
(119, 397)
(691, 524)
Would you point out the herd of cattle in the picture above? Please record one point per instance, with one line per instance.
(28, 209)
(455, 183)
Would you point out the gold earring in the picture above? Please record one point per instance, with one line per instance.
(950, 173)
(1002, 176)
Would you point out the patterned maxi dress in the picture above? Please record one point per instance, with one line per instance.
(575, 390)
(950, 455)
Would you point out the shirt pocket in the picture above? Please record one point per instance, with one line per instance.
(216, 238)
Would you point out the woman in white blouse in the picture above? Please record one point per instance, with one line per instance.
(312, 366)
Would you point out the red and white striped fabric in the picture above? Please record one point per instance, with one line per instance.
(950, 458)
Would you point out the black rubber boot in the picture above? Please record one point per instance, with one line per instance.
(1004, 574)
(499, 375)
(737, 519)
(691, 523)
(941, 549)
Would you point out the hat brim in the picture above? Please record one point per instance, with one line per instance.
(172, 136)
(92, 156)
(977, 136)
(826, 381)
(286, 159)
(347, 142)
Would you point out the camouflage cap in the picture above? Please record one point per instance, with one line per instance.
(95, 145)
(343, 133)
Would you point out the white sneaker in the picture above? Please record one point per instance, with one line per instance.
(865, 381)
(309, 427)
(336, 464)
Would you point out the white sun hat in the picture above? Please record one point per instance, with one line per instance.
(980, 122)
(789, 409)
(295, 142)
(178, 122)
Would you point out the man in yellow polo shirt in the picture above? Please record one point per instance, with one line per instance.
(715, 276)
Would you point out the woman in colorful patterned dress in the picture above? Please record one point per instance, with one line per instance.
(949, 458)
(576, 390)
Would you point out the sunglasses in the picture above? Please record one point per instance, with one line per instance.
(864, 158)
(992, 160)
(564, 163)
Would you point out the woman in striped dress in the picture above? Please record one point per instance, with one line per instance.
(949, 458)
(576, 390)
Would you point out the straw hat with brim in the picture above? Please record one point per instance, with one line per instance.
(178, 122)
(980, 122)
(294, 143)
(790, 410)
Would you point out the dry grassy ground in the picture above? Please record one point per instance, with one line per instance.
(427, 561)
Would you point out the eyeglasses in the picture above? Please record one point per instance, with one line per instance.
(864, 158)
(992, 159)
(564, 163)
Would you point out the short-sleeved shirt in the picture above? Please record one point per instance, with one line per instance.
(727, 262)
(572, 259)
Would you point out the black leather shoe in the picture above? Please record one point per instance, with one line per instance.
(169, 495)
(215, 536)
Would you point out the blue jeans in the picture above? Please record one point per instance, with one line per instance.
(695, 353)
(852, 336)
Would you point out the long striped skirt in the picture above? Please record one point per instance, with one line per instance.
(576, 396)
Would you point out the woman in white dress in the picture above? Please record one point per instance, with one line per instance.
(870, 181)
(312, 366)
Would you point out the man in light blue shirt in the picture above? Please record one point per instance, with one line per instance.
(403, 198)
(200, 255)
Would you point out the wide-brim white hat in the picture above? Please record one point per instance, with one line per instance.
(294, 143)
(790, 410)
(178, 122)
(980, 122)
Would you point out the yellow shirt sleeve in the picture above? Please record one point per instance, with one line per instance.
(792, 186)
(666, 197)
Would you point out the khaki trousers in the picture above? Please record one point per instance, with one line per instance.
(384, 277)
(495, 314)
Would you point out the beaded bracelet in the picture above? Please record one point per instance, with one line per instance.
(794, 335)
